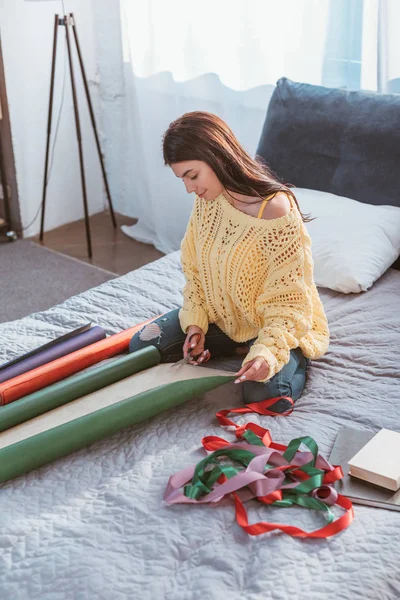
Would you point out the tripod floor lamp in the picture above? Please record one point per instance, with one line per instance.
(68, 22)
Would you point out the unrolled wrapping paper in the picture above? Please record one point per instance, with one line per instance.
(88, 419)
(39, 378)
(43, 357)
(78, 385)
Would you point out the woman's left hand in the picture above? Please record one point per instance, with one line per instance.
(256, 369)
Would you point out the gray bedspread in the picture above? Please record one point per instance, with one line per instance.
(93, 525)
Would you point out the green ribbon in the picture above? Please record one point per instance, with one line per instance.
(252, 438)
(295, 445)
(205, 478)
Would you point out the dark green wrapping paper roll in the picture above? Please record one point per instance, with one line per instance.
(45, 447)
(76, 386)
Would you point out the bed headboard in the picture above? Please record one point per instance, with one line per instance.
(334, 140)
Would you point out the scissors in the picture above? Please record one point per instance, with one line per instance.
(185, 361)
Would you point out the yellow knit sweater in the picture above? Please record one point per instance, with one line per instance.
(253, 278)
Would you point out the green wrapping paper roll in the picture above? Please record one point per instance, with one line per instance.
(76, 386)
(45, 447)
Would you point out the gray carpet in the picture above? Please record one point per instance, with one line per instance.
(33, 278)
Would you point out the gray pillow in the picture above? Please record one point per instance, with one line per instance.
(333, 140)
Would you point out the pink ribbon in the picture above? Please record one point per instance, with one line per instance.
(260, 483)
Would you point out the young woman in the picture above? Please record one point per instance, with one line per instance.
(246, 256)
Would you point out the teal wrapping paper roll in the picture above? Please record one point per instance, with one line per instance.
(56, 442)
(76, 386)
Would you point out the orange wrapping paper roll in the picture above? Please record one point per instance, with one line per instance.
(63, 367)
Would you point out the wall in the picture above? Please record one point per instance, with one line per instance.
(27, 37)
(132, 113)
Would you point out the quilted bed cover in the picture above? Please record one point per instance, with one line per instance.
(93, 525)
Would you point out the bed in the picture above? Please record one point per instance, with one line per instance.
(93, 524)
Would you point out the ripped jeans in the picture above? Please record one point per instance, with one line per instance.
(165, 333)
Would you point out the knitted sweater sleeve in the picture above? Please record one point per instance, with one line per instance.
(284, 305)
(193, 311)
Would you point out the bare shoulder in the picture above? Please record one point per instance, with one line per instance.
(278, 206)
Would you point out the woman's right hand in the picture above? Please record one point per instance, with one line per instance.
(195, 349)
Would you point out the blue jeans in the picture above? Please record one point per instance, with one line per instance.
(165, 333)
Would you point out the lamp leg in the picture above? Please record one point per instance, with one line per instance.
(79, 138)
(92, 117)
(49, 120)
(4, 185)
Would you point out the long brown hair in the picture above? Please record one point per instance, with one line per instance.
(204, 136)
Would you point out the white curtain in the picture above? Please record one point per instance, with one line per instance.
(224, 56)
(246, 43)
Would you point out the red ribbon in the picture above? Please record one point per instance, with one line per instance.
(212, 443)
(263, 527)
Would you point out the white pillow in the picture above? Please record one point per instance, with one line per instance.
(352, 243)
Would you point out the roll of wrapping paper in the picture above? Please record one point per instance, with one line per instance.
(20, 454)
(43, 357)
(76, 386)
(66, 336)
(63, 367)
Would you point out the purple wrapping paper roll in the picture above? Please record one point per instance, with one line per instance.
(95, 334)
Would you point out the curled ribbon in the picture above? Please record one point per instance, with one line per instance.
(259, 468)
